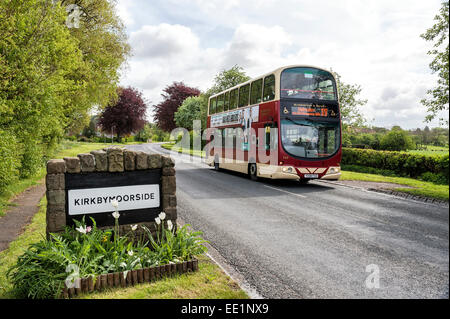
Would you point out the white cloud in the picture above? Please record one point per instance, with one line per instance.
(375, 44)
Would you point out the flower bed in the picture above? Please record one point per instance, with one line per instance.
(128, 278)
(85, 258)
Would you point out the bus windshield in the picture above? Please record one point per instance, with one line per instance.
(310, 139)
(307, 83)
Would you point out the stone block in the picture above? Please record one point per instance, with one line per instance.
(167, 161)
(154, 161)
(129, 158)
(101, 160)
(169, 185)
(168, 171)
(56, 197)
(55, 181)
(141, 161)
(56, 166)
(87, 162)
(72, 164)
(115, 159)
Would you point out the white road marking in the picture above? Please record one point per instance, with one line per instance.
(283, 191)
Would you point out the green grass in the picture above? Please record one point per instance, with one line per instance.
(65, 149)
(421, 188)
(171, 147)
(431, 151)
(209, 282)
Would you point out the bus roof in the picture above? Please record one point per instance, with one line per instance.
(276, 72)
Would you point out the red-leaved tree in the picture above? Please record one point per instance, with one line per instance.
(173, 95)
(125, 116)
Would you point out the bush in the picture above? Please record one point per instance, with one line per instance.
(397, 140)
(9, 159)
(32, 159)
(403, 164)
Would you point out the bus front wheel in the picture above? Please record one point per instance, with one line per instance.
(253, 172)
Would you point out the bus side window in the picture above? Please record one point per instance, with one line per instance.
(269, 88)
(256, 91)
(244, 95)
(226, 102)
(233, 99)
(212, 105)
(219, 107)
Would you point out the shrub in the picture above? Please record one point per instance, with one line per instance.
(397, 140)
(9, 159)
(403, 164)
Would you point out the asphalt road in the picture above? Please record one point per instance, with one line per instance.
(318, 240)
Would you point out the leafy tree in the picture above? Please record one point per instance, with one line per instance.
(227, 79)
(397, 140)
(193, 108)
(438, 33)
(350, 103)
(173, 97)
(125, 116)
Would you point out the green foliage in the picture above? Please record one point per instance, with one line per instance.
(438, 33)
(41, 271)
(403, 164)
(397, 140)
(9, 159)
(193, 108)
(227, 79)
(52, 75)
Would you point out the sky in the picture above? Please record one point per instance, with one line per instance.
(373, 43)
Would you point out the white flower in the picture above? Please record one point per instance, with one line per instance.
(130, 253)
(122, 264)
(162, 215)
(81, 229)
(115, 203)
(134, 227)
(116, 215)
(157, 220)
(169, 224)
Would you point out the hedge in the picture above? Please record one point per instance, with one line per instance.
(10, 159)
(404, 164)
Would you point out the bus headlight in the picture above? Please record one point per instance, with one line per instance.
(288, 169)
(333, 170)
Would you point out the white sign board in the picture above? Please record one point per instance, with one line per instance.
(98, 200)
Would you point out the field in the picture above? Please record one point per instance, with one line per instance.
(431, 151)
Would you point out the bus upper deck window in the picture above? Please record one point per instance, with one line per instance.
(269, 88)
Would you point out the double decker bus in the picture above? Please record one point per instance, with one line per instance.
(290, 116)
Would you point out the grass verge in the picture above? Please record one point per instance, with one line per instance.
(209, 282)
(171, 147)
(421, 188)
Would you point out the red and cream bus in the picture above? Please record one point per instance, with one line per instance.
(285, 124)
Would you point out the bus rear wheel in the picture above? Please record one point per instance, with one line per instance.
(303, 181)
(253, 171)
(216, 166)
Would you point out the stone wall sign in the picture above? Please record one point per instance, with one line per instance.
(85, 186)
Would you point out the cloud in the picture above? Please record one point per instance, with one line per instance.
(374, 44)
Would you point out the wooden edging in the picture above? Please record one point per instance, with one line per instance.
(133, 277)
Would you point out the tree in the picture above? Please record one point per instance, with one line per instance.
(125, 116)
(397, 140)
(227, 79)
(350, 103)
(193, 108)
(438, 33)
(173, 97)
